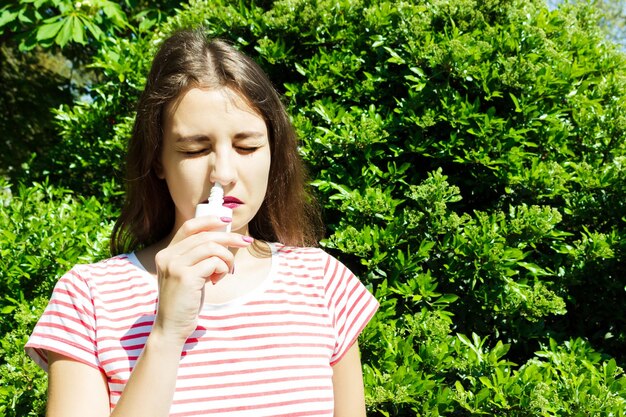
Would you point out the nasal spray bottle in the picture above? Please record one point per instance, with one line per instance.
(215, 207)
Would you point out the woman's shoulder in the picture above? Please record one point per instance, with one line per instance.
(114, 262)
(304, 252)
(116, 268)
(313, 258)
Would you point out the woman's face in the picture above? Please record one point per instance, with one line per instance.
(215, 136)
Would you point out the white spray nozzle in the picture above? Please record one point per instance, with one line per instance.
(216, 196)
(215, 205)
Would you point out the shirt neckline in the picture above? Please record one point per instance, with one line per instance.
(243, 299)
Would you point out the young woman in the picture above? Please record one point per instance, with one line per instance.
(190, 320)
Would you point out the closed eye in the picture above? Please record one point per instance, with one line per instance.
(246, 149)
(196, 152)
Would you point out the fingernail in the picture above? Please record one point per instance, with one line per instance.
(232, 270)
(226, 219)
(248, 239)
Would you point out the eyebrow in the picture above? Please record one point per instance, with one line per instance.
(193, 138)
(248, 134)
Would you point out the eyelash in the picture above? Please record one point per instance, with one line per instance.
(248, 149)
(244, 150)
(192, 153)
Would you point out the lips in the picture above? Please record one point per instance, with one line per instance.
(231, 202)
(228, 202)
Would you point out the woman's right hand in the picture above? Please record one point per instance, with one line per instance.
(198, 253)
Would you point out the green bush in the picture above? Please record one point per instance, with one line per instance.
(44, 231)
(23, 383)
(469, 159)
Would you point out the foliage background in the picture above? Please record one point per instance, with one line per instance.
(469, 156)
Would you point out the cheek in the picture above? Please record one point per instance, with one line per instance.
(264, 176)
(256, 170)
(186, 179)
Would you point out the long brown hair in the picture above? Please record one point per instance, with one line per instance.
(188, 59)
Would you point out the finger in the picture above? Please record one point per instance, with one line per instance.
(211, 269)
(200, 252)
(197, 247)
(200, 224)
(226, 239)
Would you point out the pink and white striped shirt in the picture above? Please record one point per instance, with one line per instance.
(268, 353)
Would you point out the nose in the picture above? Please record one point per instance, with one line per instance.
(223, 169)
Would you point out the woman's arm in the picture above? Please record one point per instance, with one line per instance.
(348, 385)
(194, 255)
(79, 390)
(83, 384)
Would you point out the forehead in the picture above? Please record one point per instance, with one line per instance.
(212, 114)
(198, 101)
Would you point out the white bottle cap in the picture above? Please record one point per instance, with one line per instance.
(215, 206)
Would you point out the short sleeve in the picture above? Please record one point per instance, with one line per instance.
(350, 304)
(67, 325)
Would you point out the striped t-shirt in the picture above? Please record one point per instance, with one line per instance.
(268, 353)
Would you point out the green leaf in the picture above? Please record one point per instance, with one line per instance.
(395, 57)
(300, 69)
(49, 30)
(7, 309)
(486, 382)
(447, 299)
(24, 17)
(94, 29)
(534, 269)
(65, 34)
(518, 109)
(78, 30)
(114, 12)
(146, 24)
(6, 17)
